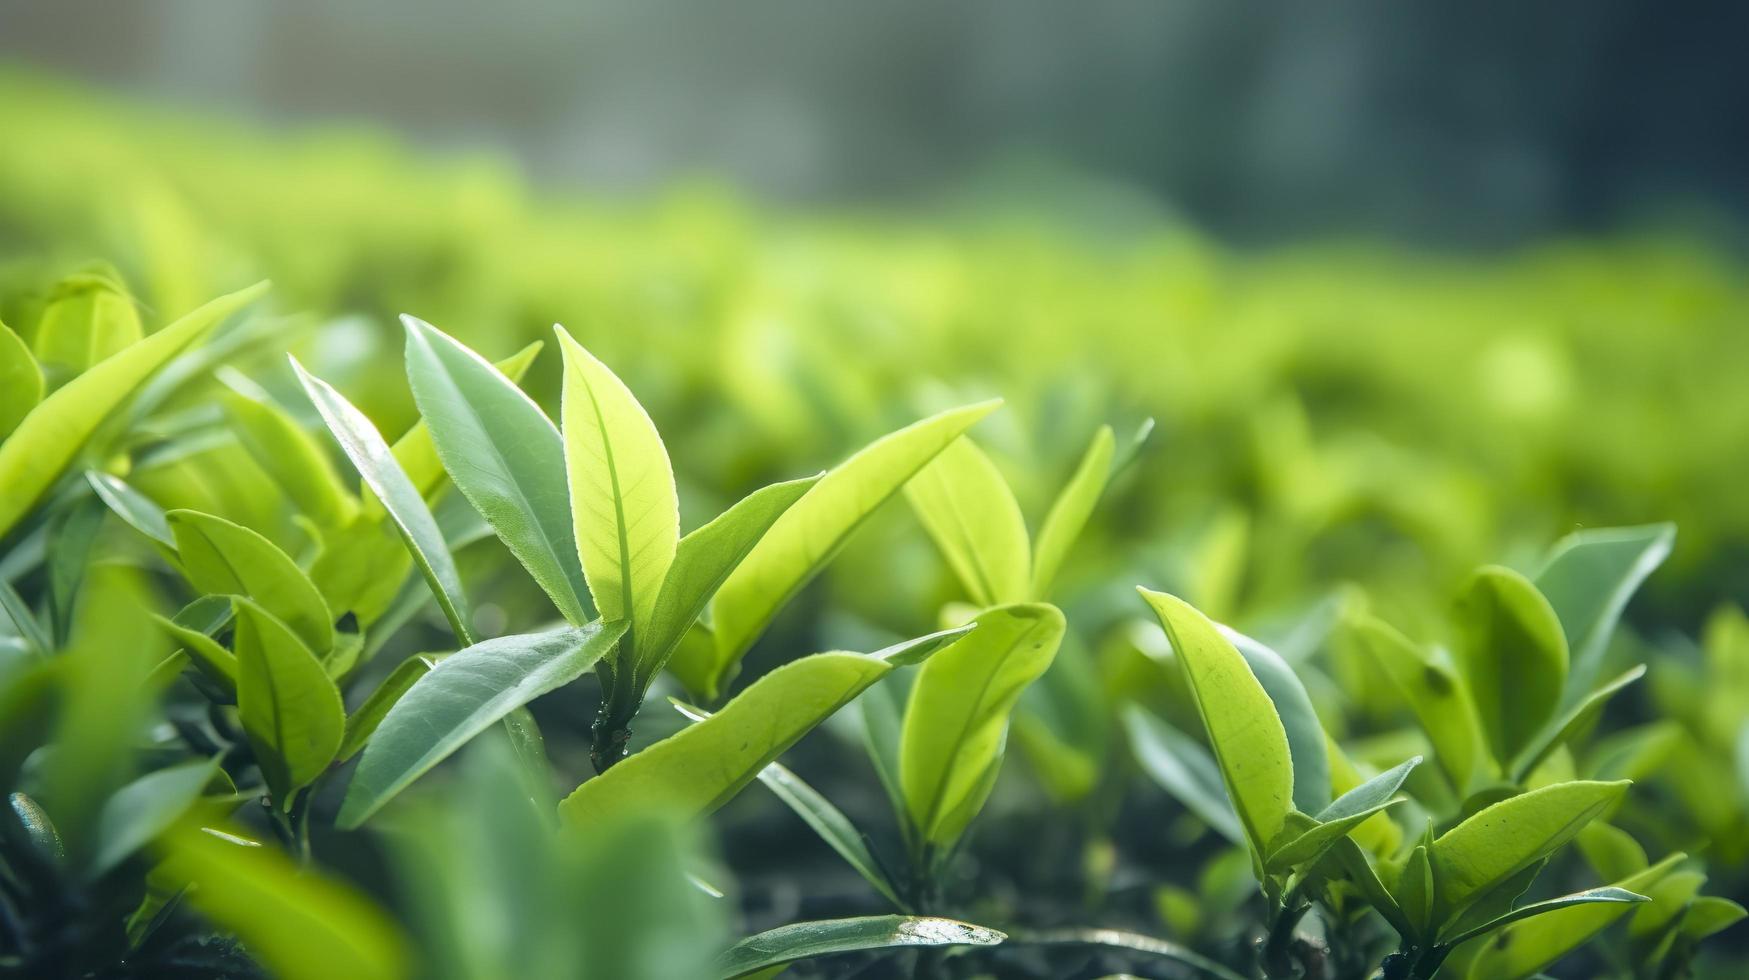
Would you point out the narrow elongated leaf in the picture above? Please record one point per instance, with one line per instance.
(290, 709)
(1527, 948)
(1591, 896)
(301, 925)
(213, 660)
(1183, 768)
(287, 453)
(460, 697)
(21, 380)
(363, 722)
(1347, 812)
(701, 767)
(831, 824)
(1070, 511)
(1577, 718)
(624, 506)
(406, 508)
(1588, 578)
(145, 808)
(1129, 942)
(972, 516)
(1305, 736)
(131, 506)
(52, 435)
(504, 455)
(1514, 656)
(1436, 694)
(1249, 741)
(1512, 835)
(1357, 869)
(810, 533)
(703, 561)
(807, 940)
(956, 721)
(222, 558)
(882, 708)
(24, 622)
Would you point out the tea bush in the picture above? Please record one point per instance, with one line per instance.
(331, 665)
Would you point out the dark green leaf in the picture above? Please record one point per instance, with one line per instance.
(807, 940)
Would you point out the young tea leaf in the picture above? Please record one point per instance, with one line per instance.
(21, 380)
(1526, 948)
(290, 710)
(1305, 736)
(1588, 578)
(1183, 768)
(809, 940)
(972, 516)
(145, 808)
(132, 506)
(286, 452)
(222, 558)
(1436, 694)
(1069, 513)
(1514, 656)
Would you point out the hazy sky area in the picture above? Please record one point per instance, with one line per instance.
(1481, 123)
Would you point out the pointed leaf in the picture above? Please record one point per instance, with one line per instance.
(217, 663)
(21, 380)
(222, 558)
(810, 533)
(145, 808)
(701, 767)
(1527, 948)
(1589, 577)
(286, 452)
(972, 516)
(831, 824)
(1710, 914)
(131, 506)
(1183, 768)
(1514, 656)
(406, 508)
(301, 925)
(1577, 719)
(1070, 511)
(1511, 835)
(1591, 896)
(363, 722)
(52, 435)
(1349, 811)
(1249, 741)
(89, 316)
(1305, 736)
(623, 502)
(704, 560)
(504, 455)
(808, 940)
(957, 718)
(460, 697)
(1435, 693)
(290, 710)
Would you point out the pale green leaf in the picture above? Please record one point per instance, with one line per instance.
(808, 940)
(1588, 578)
(301, 925)
(287, 453)
(1071, 510)
(1608, 894)
(1512, 835)
(1347, 812)
(222, 558)
(810, 533)
(406, 508)
(1305, 736)
(290, 709)
(971, 514)
(956, 720)
(1183, 768)
(1577, 719)
(1527, 948)
(1436, 694)
(132, 506)
(1514, 655)
(21, 380)
(89, 316)
(1249, 741)
(624, 506)
(460, 697)
(362, 723)
(504, 455)
(217, 663)
(47, 441)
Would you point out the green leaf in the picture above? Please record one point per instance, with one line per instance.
(1526, 948)
(145, 808)
(810, 533)
(1305, 736)
(956, 721)
(289, 707)
(703, 561)
(972, 516)
(882, 708)
(287, 453)
(1357, 869)
(213, 660)
(48, 439)
(1415, 892)
(89, 317)
(460, 697)
(1512, 835)
(1514, 656)
(701, 767)
(406, 508)
(1071, 510)
(222, 558)
(624, 506)
(1183, 768)
(1588, 578)
(1710, 914)
(831, 824)
(1576, 720)
(21, 380)
(301, 925)
(808, 940)
(1129, 942)
(1591, 896)
(504, 455)
(1249, 741)
(362, 723)
(1339, 818)
(1612, 852)
(1436, 694)
(132, 506)
(24, 622)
